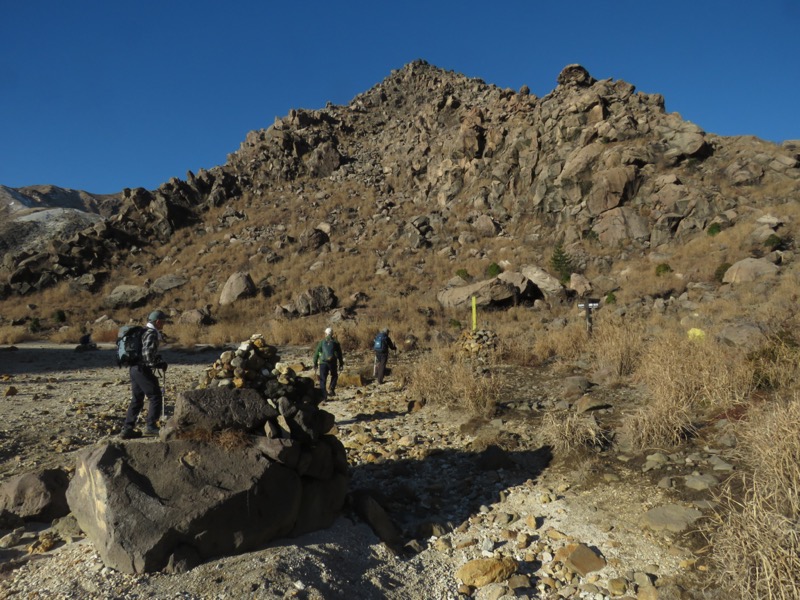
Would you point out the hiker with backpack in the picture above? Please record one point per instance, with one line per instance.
(381, 345)
(139, 350)
(328, 354)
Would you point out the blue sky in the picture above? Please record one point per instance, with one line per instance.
(100, 95)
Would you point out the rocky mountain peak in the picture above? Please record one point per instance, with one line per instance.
(592, 160)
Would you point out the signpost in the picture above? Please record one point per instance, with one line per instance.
(589, 304)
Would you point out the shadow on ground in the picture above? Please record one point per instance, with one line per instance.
(47, 358)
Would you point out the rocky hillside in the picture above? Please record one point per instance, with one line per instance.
(437, 164)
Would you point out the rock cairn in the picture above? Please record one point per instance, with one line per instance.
(479, 343)
(246, 458)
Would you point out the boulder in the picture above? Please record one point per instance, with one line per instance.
(168, 282)
(548, 284)
(315, 300)
(215, 409)
(491, 292)
(127, 296)
(140, 501)
(749, 269)
(36, 496)
(239, 285)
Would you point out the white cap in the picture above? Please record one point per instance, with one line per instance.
(328, 331)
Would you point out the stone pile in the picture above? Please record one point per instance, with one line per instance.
(246, 458)
(478, 343)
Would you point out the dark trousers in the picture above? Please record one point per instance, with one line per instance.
(326, 369)
(144, 383)
(380, 365)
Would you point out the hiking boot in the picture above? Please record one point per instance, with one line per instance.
(151, 431)
(129, 433)
(331, 394)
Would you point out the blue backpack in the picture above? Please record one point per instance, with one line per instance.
(129, 345)
(381, 343)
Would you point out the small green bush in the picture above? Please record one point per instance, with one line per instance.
(60, 316)
(611, 298)
(35, 325)
(774, 242)
(464, 275)
(455, 323)
(714, 229)
(719, 272)
(493, 270)
(663, 269)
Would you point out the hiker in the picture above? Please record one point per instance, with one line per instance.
(382, 344)
(327, 354)
(144, 381)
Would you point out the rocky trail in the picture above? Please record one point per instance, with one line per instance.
(480, 506)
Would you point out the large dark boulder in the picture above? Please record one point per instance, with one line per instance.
(36, 496)
(141, 502)
(215, 409)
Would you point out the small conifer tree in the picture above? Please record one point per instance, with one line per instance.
(561, 263)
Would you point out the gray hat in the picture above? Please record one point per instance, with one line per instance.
(157, 315)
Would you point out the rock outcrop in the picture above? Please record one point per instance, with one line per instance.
(592, 160)
(243, 461)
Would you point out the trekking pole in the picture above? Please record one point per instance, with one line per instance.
(164, 395)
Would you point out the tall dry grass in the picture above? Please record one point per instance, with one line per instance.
(445, 378)
(566, 433)
(566, 343)
(686, 380)
(618, 346)
(757, 541)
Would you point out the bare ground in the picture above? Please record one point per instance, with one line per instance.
(433, 470)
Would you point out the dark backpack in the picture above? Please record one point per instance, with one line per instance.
(328, 350)
(129, 345)
(381, 343)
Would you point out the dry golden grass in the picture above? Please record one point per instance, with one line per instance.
(566, 343)
(15, 335)
(687, 380)
(757, 537)
(618, 345)
(445, 378)
(566, 433)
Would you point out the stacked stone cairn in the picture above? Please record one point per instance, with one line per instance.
(246, 458)
(478, 344)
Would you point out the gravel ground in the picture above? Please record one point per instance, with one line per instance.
(66, 400)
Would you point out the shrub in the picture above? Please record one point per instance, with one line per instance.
(464, 275)
(455, 324)
(663, 269)
(774, 242)
(59, 316)
(611, 298)
(714, 229)
(35, 326)
(493, 270)
(719, 272)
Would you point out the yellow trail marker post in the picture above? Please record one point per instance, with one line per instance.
(474, 314)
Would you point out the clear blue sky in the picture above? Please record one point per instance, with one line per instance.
(105, 94)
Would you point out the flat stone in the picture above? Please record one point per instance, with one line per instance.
(580, 559)
(700, 482)
(670, 517)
